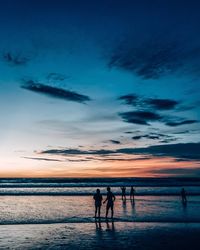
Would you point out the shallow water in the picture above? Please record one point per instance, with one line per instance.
(79, 209)
(117, 235)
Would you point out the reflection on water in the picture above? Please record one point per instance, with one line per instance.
(47, 209)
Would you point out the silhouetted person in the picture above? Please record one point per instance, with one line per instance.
(98, 200)
(132, 194)
(183, 196)
(110, 202)
(123, 193)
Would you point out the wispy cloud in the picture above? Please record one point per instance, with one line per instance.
(161, 104)
(178, 123)
(115, 142)
(41, 159)
(152, 136)
(140, 117)
(55, 92)
(149, 110)
(149, 60)
(56, 77)
(155, 57)
(178, 151)
(15, 59)
(147, 103)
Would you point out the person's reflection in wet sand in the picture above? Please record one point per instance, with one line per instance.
(110, 226)
(98, 224)
(99, 231)
(133, 206)
(124, 207)
(184, 197)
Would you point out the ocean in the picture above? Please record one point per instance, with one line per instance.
(63, 208)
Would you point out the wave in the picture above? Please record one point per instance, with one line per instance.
(91, 194)
(103, 220)
(101, 182)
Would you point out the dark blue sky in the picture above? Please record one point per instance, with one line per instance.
(85, 83)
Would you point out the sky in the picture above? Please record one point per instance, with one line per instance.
(99, 88)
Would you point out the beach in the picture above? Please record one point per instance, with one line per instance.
(61, 216)
(119, 235)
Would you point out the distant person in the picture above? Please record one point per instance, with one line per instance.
(132, 194)
(98, 201)
(183, 196)
(110, 202)
(123, 193)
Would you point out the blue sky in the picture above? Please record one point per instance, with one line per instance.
(83, 82)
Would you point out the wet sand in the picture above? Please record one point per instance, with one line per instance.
(117, 235)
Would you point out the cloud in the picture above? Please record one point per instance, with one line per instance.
(115, 142)
(147, 103)
(178, 151)
(179, 123)
(152, 136)
(15, 59)
(148, 109)
(149, 60)
(140, 117)
(54, 92)
(164, 138)
(56, 77)
(193, 171)
(168, 140)
(161, 104)
(157, 55)
(131, 99)
(77, 152)
(41, 159)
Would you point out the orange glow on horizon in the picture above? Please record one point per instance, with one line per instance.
(155, 167)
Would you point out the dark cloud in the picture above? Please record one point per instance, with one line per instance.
(155, 136)
(177, 151)
(148, 111)
(152, 136)
(149, 60)
(157, 55)
(41, 159)
(179, 123)
(115, 142)
(162, 104)
(125, 159)
(168, 140)
(147, 103)
(15, 59)
(54, 92)
(193, 171)
(140, 117)
(131, 99)
(77, 152)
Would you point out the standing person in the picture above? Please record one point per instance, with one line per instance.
(132, 194)
(183, 196)
(110, 202)
(123, 193)
(98, 200)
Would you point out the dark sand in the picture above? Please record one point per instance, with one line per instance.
(119, 235)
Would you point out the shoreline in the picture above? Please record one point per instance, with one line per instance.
(117, 235)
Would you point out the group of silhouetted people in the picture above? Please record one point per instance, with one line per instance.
(110, 199)
(98, 202)
(132, 193)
